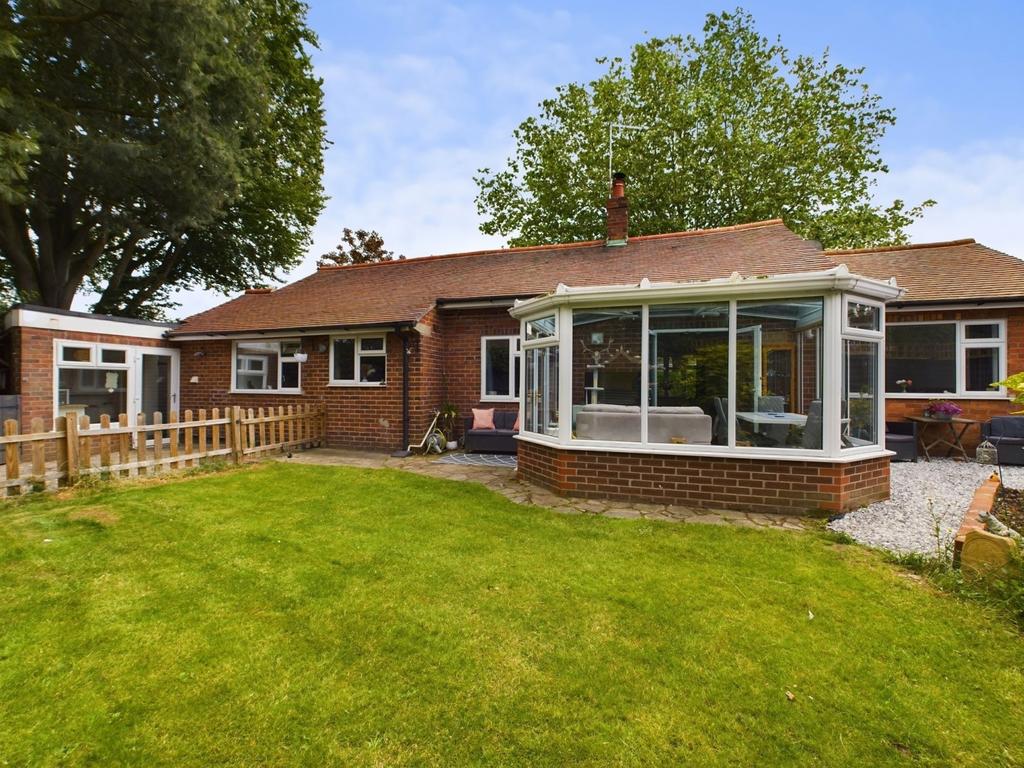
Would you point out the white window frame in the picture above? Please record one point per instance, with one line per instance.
(281, 359)
(132, 364)
(962, 345)
(62, 363)
(359, 353)
(514, 353)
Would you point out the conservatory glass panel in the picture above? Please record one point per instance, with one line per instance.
(688, 393)
(860, 393)
(778, 373)
(607, 348)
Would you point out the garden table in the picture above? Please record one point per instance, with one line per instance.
(957, 426)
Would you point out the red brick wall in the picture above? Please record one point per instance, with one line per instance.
(357, 417)
(750, 485)
(980, 409)
(461, 353)
(32, 357)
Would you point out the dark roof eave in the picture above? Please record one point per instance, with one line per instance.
(397, 324)
(965, 302)
(493, 297)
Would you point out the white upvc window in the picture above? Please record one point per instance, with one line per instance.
(358, 361)
(500, 358)
(946, 358)
(267, 366)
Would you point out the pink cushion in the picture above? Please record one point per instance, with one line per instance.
(483, 418)
(516, 425)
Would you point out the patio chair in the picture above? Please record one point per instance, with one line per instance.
(721, 428)
(901, 439)
(776, 434)
(812, 428)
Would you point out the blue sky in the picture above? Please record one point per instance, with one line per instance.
(419, 95)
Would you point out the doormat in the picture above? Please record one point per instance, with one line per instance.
(480, 459)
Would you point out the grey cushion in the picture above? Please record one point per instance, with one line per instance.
(675, 409)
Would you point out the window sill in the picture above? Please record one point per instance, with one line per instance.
(265, 392)
(342, 384)
(947, 396)
(499, 399)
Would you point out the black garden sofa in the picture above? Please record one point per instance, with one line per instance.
(501, 439)
(1006, 433)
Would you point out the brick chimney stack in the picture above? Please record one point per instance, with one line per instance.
(618, 212)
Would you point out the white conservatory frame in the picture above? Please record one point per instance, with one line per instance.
(836, 287)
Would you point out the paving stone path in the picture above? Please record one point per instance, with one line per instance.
(504, 481)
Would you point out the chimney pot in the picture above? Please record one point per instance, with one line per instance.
(618, 212)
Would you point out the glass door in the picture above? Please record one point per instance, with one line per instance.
(157, 383)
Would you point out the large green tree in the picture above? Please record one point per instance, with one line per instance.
(180, 144)
(730, 128)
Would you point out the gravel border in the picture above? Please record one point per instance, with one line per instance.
(928, 502)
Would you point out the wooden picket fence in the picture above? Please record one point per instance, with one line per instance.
(39, 461)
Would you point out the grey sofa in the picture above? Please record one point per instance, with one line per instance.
(665, 424)
(501, 439)
(901, 439)
(1006, 433)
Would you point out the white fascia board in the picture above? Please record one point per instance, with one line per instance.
(34, 318)
(775, 286)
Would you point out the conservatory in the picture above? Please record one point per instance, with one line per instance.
(749, 393)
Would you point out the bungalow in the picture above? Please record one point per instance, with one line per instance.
(736, 367)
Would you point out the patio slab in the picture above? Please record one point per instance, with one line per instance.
(504, 481)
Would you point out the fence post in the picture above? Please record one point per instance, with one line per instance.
(39, 454)
(12, 456)
(71, 447)
(235, 430)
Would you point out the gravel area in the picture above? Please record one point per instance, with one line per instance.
(928, 503)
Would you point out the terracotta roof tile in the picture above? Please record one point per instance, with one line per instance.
(403, 291)
(951, 272)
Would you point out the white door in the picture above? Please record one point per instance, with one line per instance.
(157, 382)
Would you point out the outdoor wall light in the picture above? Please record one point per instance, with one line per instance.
(321, 347)
(199, 353)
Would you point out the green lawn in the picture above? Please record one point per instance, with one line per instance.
(285, 615)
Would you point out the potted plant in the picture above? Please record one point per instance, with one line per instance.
(447, 422)
(904, 384)
(943, 410)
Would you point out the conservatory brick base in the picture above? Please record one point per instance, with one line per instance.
(745, 484)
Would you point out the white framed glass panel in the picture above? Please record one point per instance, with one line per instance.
(94, 392)
(862, 316)
(921, 358)
(371, 344)
(975, 331)
(778, 373)
(80, 354)
(541, 406)
(256, 365)
(607, 354)
(111, 356)
(688, 385)
(358, 360)
(861, 400)
(343, 354)
(499, 373)
(541, 328)
(982, 366)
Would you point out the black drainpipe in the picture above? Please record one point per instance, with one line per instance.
(404, 450)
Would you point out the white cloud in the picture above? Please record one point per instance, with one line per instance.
(979, 190)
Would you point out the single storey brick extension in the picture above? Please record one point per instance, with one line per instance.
(740, 367)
